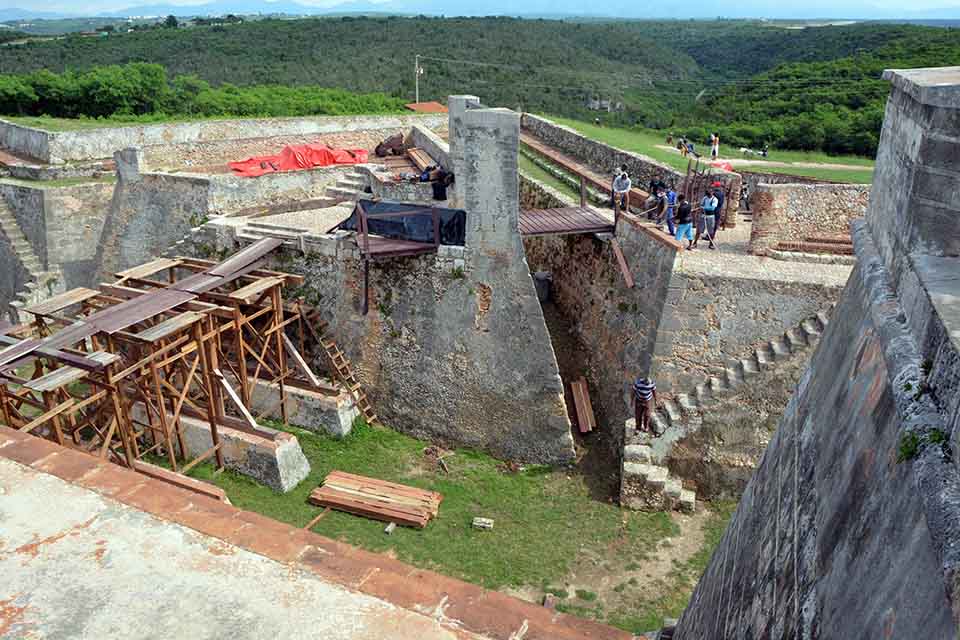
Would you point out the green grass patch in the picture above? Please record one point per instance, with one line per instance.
(537, 172)
(586, 596)
(646, 142)
(543, 516)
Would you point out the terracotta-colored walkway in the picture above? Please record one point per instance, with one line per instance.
(89, 549)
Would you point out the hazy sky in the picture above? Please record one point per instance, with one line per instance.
(758, 8)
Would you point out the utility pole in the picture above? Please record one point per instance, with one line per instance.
(416, 76)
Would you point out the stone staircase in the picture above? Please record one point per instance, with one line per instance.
(647, 486)
(347, 187)
(645, 482)
(41, 283)
(681, 414)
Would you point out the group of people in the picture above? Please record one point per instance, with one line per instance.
(688, 148)
(683, 219)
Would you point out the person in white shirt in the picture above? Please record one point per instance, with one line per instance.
(708, 218)
(621, 187)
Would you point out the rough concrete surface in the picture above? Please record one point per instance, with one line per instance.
(84, 566)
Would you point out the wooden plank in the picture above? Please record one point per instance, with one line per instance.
(341, 476)
(251, 291)
(299, 362)
(169, 326)
(342, 502)
(245, 257)
(57, 410)
(72, 359)
(66, 375)
(61, 301)
(148, 268)
(624, 269)
(251, 422)
(180, 480)
(586, 420)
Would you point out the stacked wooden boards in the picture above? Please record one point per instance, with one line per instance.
(377, 499)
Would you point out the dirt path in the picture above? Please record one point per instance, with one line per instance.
(746, 162)
(617, 578)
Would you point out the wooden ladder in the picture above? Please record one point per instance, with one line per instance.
(341, 364)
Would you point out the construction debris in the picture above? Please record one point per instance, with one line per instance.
(438, 454)
(377, 499)
(390, 528)
(483, 523)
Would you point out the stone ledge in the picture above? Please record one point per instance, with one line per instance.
(651, 231)
(460, 605)
(935, 86)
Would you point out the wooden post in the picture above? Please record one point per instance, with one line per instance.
(162, 410)
(49, 404)
(281, 354)
(245, 385)
(583, 192)
(207, 374)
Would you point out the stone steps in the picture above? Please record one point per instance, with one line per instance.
(648, 486)
(42, 282)
(348, 187)
(682, 414)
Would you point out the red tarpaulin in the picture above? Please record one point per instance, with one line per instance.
(298, 157)
(721, 164)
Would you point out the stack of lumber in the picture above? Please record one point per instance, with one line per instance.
(377, 499)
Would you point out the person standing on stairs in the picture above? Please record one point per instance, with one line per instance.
(644, 403)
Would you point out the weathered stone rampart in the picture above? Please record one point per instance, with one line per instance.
(57, 147)
(848, 528)
(619, 325)
(795, 212)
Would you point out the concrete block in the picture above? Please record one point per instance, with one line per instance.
(310, 410)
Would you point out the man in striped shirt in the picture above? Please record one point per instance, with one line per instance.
(644, 402)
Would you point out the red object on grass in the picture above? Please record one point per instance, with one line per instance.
(298, 157)
(720, 164)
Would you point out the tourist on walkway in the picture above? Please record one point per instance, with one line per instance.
(707, 221)
(621, 190)
(684, 221)
(644, 403)
(671, 209)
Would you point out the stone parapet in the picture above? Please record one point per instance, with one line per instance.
(795, 212)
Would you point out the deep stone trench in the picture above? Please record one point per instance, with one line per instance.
(597, 452)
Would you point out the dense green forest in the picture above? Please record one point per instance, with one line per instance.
(143, 89)
(813, 88)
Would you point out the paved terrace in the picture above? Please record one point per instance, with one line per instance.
(91, 550)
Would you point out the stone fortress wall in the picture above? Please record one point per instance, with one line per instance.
(58, 147)
(794, 212)
(848, 527)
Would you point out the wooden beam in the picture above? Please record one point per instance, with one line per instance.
(622, 261)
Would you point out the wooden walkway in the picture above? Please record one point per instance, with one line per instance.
(543, 222)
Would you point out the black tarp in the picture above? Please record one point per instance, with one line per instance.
(416, 225)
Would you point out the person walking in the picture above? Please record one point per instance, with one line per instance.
(684, 221)
(621, 190)
(707, 222)
(714, 146)
(671, 209)
(644, 403)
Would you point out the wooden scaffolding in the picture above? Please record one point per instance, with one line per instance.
(114, 371)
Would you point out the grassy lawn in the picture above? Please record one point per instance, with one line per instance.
(544, 517)
(646, 142)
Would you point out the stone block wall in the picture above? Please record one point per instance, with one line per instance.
(794, 212)
(536, 195)
(230, 194)
(715, 320)
(848, 528)
(619, 325)
(15, 277)
(75, 216)
(58, 147)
